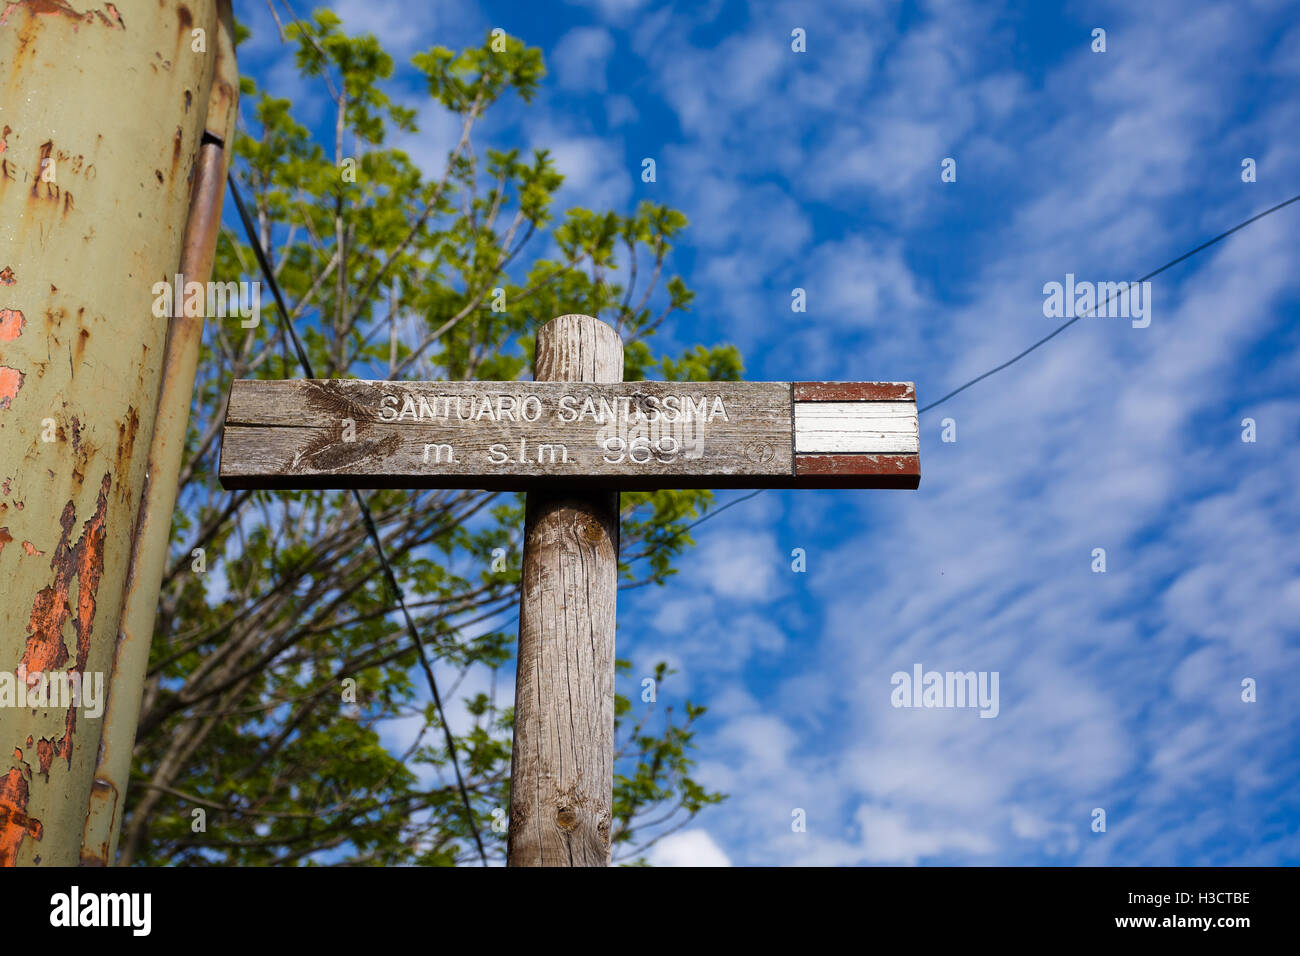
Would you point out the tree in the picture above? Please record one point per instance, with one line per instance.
(278, 661)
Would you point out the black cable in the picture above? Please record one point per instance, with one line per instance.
(261, 258)
(265, 266)
(368, 520)
(1150, 275)
(1047, 338)
(718, 511)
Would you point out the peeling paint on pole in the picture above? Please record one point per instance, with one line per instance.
(153, 525)
(93, 199)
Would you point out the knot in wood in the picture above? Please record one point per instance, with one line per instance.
(592, 531)
(566, 819)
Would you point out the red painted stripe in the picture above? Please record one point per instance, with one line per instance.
(846, 466)
(854, 391)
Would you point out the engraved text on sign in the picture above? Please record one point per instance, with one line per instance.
(519, 435)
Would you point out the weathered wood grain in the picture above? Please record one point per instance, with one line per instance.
(530, 435)
(854, 392)
(562, 769)
(855, 427)
(512, 435)
(304, 403)
(572, 439)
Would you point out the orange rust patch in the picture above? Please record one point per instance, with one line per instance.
(11, 323)
(126, 439)
(31, 549)
(47, 748)
(11, 380)
(5, 538)
(112, 19)
(14, 821)
(46, 149)
(4, 135)
(177, 142)
(7, 273)
(45, 650)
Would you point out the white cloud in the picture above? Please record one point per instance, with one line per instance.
(620, 111)
(1053, 836)
(437, 133)
(580, 59)
(1119, 690)
(615, 11)
(761, 741)
(674, 615)
(888, 837)
(595, 172)
(404, 28)
(739, 565)
(688, 848)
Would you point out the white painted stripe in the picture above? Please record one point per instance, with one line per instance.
(856, 427)
(813, 410)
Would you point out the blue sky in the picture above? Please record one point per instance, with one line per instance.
(821, 170)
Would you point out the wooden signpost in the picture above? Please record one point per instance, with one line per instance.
(573, 439)
(519, 436)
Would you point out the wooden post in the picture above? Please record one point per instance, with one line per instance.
(562, 771)
(572, 439)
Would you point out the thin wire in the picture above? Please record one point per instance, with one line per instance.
(718, 511)
(712, 514)
(1150, 275)
(1047, 338)
(267, 272)
(369, 522)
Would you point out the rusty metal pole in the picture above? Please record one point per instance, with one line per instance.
(101, 116)
(149, 549)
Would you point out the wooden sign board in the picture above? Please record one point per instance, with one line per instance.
(345, 433)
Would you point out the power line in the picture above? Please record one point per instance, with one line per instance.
(1150, 275)
(718, 511)
(369, 522)
(1047, 338)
